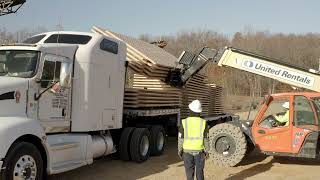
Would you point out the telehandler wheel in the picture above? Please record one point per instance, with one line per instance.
(228, 144)
(157, 141)
(140, 145)
(23, 161)
(124, 144)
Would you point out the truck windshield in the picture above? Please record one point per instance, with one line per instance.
(18, 63)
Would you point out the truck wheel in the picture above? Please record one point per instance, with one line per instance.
(228, 144)
(157, 141)
(140, 145)
(124, 144)
(23, 161)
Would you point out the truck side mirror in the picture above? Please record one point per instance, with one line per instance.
(65, 74)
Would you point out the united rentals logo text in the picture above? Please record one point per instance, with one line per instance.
(278, 72)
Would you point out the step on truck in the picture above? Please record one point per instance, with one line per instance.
(61, 106)
(232, 139)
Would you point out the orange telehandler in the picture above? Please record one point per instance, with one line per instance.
(232, 139)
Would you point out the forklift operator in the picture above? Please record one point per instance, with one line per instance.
(284, 119)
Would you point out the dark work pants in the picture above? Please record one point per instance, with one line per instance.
(194, 162)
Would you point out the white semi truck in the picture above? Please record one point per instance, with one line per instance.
(61, 106)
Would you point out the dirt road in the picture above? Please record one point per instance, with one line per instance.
(169, 166)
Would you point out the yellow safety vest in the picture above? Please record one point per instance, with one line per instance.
(193, 133)
(284, 118)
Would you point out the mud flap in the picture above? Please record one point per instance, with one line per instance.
(309, 147)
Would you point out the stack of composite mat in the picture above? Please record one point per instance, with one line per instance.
(144, 58)
(147, 69)
(142, 91)
(216, 100)
(210, 96)
(196, 88)
(137, 98)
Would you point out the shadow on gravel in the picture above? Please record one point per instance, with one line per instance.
(253, 157)
(263, 167)
(297, 161)
(112, 168)
(252, 171)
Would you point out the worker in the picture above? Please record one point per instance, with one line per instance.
(284, 119)
(193, 142)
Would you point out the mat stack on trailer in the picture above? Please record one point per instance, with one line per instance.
(210, 95)
(217, 99)
(196, 88)
(147, 69)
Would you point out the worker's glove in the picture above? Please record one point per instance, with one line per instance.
(180, 153)
(206, 155)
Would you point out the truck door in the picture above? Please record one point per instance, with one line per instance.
(54, 104)
(305, 129)
(269, 134)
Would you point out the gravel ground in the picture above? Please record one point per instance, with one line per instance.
(169, 166)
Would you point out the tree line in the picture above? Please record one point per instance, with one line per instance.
(7, 36)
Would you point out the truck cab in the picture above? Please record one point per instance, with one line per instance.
(60, 95)
(90, 63)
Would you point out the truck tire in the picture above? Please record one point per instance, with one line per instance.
(157, 140)
(23, 161)
(228, 144)
(124, 145)
(140, 145)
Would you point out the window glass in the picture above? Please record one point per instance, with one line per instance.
(316, 101)
(16, 63)
(34, 39)
(68, 39)
(303, 113)
(50, 73)
(277, 114)
(109, 46)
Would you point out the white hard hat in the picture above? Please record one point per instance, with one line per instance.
(286, 105)
(195, 106)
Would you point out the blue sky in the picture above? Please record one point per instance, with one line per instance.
(167, 17)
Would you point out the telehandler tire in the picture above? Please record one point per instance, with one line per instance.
(228, 145)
